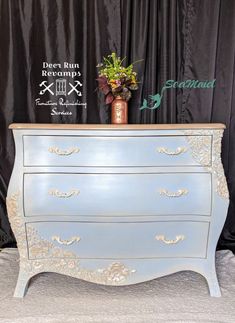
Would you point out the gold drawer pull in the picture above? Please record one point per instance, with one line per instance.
(57, 193)
(66, 242)
(179, 193)
(178, 151)
(66, 152)
(166, 241)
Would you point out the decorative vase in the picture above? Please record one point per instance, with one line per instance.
(119, 111)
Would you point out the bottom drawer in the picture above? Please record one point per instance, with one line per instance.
(117, 240)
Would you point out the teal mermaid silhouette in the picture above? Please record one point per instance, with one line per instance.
(155, 100)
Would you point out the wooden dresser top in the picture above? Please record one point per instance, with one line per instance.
(66, 126)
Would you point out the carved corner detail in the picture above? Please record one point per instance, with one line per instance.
(50, 258)
(205, 152)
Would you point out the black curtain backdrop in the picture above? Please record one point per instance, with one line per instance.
(178, 40)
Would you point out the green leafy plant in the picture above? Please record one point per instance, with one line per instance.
(114, 79)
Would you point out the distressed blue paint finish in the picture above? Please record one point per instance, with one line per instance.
(118, 212)
(117, 194)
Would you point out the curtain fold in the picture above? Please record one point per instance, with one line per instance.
(177, 40)
(149, 32)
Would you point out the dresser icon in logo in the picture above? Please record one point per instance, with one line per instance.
(60, 87)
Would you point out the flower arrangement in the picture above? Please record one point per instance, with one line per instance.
(116, 80)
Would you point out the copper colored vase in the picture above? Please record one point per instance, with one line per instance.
(119, 111)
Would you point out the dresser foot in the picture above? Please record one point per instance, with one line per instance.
(213, 284)
(22, 284)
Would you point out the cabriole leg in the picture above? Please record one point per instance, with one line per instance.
(22, 284)
(212, 282)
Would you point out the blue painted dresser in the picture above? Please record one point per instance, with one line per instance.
(117, 205)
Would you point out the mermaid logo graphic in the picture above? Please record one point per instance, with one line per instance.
(154, 101)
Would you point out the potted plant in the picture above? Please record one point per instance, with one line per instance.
(116, 82)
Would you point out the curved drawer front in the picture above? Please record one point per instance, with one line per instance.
(110, 240)
(113, 151)
(117, 194)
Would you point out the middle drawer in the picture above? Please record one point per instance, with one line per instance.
(117, 194)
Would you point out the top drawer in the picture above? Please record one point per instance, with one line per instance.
(112, 151)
